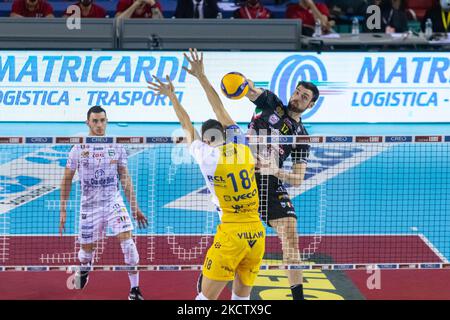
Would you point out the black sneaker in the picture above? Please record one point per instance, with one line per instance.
(81, 279)
(135, 294)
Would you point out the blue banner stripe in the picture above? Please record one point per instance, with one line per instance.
(398, 139)
(39, 140)
(339, 139)
(99, 139)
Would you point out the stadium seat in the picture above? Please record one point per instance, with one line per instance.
(420, 7)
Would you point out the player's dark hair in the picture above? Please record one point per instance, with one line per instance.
(95, 109)
(310, 86)
(212, 124)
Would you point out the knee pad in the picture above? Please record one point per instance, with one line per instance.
(130, 253)
(84, 256)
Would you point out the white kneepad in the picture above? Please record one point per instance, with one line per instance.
(84, 256)
(130, 253)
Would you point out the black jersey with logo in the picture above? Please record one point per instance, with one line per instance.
(271, 115)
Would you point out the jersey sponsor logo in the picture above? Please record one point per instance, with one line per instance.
(98, 155)
(288, 122)
(100, 182)
(123, 219)
(217, 181)
(245, 196)
(273, 119)
(283, 197)
(227, 269)
(250, 235)
(98, 148)
(251, 243)
(85, 163)
(99, 173)
(293, 69)
(237, 208)
(280, 111)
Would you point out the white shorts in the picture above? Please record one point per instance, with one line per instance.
(95, 220)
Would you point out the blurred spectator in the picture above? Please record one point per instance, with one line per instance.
(252, 9)
(139, 9)
(340, 8)
(309, 12)
(197, 9)
(439, 15)
(31, 9)
(394, 17)
(89, 9)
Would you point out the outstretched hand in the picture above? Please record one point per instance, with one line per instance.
(196, 62)
(141, 219)
(159, 87)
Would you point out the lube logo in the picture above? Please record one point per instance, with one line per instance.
(297, 68)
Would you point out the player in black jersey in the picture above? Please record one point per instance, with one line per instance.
(273, 118)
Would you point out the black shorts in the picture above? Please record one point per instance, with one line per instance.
(274, 200)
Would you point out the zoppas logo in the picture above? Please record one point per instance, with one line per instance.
(297, 68)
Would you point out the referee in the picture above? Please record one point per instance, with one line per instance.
(271, 117)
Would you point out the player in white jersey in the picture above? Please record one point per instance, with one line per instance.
(101, 168)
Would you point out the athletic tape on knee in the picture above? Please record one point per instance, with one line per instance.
(84, 256)
(130, 253)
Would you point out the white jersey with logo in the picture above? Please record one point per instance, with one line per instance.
(102, 204)
(97, 167)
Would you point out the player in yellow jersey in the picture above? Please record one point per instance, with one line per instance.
(228, 167)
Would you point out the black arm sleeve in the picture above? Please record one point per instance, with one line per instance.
(268, 100)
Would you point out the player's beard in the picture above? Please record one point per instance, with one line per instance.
(295, 107)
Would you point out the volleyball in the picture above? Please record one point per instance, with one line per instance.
(234, 86)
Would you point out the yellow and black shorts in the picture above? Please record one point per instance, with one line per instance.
(238, 248)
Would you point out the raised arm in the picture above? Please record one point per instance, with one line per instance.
(169, 91)
(197, 70)
(253, 93)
